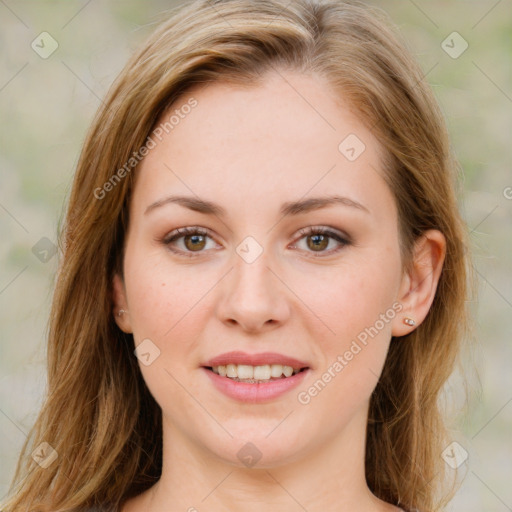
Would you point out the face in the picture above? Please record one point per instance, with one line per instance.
(314, 285)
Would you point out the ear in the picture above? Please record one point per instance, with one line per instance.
(120, 310)
(419, 284)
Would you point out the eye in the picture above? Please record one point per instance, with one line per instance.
(318, 239)
(194, 240)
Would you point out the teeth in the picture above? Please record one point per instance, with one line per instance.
(261, 372)
(247, 372)
(276, 370)
(287, 370)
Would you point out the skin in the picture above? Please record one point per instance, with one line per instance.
(249, 150)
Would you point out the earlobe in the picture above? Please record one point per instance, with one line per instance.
(419, 284)
(120, 309)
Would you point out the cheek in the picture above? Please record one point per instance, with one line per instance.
(170, 306)
(166, 308)
(352, 299)
(359, 306)
(161, 297)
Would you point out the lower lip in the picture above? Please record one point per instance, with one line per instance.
(255, 393)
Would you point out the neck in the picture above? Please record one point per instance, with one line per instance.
(329, 476)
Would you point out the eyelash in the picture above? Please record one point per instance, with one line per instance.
(308, 231)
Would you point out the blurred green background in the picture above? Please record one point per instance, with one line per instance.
(48, 101)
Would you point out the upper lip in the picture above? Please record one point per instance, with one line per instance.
(263, 358)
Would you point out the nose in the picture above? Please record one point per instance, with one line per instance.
(253, 296)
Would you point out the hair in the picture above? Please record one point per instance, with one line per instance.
(98, 414)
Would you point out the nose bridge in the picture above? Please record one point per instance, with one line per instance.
(252, 295)
(252, 278)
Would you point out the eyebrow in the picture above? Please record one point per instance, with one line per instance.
(289, 208)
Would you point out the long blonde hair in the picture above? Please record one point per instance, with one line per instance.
(98, 414)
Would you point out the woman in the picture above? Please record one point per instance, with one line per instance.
(262, 265)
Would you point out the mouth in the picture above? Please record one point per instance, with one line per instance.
(255, 378)
(255, 374)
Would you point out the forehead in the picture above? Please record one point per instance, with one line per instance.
(286, 136)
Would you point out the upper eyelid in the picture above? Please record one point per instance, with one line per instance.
(301, 233)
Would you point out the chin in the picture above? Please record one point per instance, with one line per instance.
(258, 451)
